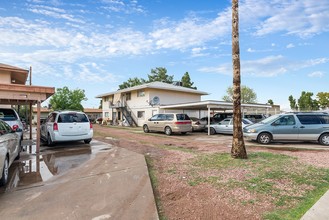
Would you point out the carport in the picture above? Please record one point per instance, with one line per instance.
(211, 106)
(13, 91)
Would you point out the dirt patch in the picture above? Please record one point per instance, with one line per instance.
(180, 197)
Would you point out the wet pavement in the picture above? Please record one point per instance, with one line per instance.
(78, 181)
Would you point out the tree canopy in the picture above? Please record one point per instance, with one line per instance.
(307, 103)
(131, 82)
(247, 95)
(186, 81)
(158, 74)
(323, 99)
(66, 99)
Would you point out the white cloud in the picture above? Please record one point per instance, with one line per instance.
(318, 74)
(303, 18)
(251, 50)
(290, 46)
(54, 13)
(270, 66)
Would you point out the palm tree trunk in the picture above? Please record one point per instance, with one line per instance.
(238, 148)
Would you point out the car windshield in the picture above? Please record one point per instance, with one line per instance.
(269, 119)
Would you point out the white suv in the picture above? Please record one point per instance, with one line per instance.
(11, 117)
(61, 126)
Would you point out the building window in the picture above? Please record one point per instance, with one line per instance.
(106, 114)
(141, 114)
(106, 99)
(140, 93)
(128, 96)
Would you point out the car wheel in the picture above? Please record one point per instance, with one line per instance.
(87, 141)
(168, 130)
(4, 177)
(264, 138)
(212, 131)
(49, 141)
(146, 129)
(324, 139)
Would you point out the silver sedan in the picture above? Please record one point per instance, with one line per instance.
(9, 149)
(226, 126)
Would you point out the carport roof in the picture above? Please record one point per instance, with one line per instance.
(212, 104)
(14, 94)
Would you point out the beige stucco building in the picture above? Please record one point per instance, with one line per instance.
(134, 105)
(138, 103)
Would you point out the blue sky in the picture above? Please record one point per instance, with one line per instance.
(95, 45)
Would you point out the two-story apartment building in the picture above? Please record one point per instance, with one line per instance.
(135, 104)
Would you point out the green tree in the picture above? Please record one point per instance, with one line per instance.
(132, 82)
(293, 104)
(247, 95)
(66, 99)
(238, 149)
(323, 99)
(270, 101)
(160, 74)
(306, 103)
(186, 81)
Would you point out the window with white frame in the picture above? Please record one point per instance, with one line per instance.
(106, 114)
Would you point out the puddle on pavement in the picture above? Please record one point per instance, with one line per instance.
(34, 169)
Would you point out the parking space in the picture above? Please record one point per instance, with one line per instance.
(78, 181)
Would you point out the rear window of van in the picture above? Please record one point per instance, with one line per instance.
(8, 115)
(182, 117)
(72, 117)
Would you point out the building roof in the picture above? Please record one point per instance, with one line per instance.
(211, 104)
(156, 85)
(18, 75)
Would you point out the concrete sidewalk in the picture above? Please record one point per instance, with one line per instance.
(114, 184)
(320, 210)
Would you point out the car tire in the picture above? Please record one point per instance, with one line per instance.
(49, 141)
(324, 139)
(264, 138)
(146, 129)
(4, 178)
(168, 130)
(87, 141)
(212, 131)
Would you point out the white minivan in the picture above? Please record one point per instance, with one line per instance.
(61, 126)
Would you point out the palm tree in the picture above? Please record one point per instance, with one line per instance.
(238, 148)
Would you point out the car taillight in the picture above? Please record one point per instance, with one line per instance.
(91, 125)
(55, 127)
(15, 127)
(182, 122)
